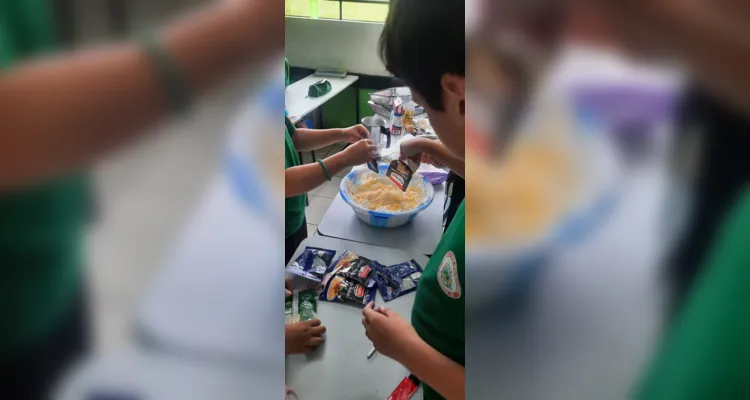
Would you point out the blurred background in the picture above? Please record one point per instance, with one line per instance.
(145, 193)
(598, 174)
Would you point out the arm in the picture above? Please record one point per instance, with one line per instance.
(436, 370)
(314, 139)
(438, 151)
(304, 178)
(61, 114)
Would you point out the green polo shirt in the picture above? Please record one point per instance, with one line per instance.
(41, 227)
(295, 206)
(706, 353)
(438, 311)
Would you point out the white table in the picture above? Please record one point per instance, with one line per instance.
(299, 105)
(147, 376)
(339, 369)
(590, 321)
(421, 235)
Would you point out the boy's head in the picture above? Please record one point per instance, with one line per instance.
(423, 44)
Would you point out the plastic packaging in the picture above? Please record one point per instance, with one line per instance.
(401, 172)
(307, 305)
(301, 306)
(288, 315)
(350, 280)
(397, 280)
(314, 260)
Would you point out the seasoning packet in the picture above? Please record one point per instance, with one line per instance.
(338, 289)
(401, 172)
(288, 315)
(397, 280)
(307, 305)
(314, 260)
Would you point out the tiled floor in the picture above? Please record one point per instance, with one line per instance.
(322, 197)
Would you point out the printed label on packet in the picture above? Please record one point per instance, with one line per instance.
(401, 172)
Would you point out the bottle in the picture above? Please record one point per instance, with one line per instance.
(397, 116)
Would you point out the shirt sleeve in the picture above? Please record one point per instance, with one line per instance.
(290, 126)
(705, 354)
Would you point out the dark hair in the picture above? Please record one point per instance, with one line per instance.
(422, 40)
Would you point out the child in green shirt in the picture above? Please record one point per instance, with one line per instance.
(423, 44)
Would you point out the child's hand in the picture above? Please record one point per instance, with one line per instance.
(303, 337)
(389, 332)
(354, 133)
(287, 287)
(361, 152)
(413, 147)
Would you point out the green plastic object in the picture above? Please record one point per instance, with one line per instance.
(319, 88)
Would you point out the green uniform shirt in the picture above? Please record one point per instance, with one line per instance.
(295, 206)
(438, 312)
(707, 352)
(40, 227)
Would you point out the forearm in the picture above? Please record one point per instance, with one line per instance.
(438, 150)
(304, 178)
(436, 370)
(60, 114)
(314, 139)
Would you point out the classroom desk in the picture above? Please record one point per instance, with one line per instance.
(339, 369)
(421, 235)
(299, 105)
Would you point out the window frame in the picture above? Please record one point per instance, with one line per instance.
(341, 9)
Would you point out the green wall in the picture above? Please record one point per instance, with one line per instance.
(340, 111)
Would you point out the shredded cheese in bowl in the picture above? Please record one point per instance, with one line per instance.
(518, 198)
(378, 193)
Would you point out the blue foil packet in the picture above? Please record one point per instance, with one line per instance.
(314, 260)
(351, 279)
(397, 280)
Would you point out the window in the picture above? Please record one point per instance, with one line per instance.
(351, 10)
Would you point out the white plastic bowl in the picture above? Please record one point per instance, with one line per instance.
(385, 219)
(504, 273)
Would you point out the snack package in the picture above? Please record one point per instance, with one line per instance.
(288, 315)
(302, 280)
(397, 280)
(314, 260)
(350, 279)
(339, 289)
(401, 172)
(307, 305)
